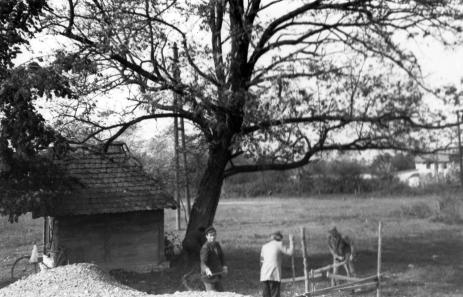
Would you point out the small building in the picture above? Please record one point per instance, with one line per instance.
(114, 214)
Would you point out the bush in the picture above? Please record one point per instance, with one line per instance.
(451, 208)
(172, 245)
(258, 184)
(419, 210)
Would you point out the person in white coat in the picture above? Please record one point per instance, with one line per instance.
(270, 259)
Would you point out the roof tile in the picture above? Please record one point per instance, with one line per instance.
(109, 184)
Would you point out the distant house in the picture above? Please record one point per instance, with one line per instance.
(436, 165)
(114, 215)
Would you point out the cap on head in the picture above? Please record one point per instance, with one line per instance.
(276, 236)
(209, 229)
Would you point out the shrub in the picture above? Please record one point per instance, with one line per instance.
(419, 210)
(172, 245)
(451, 208)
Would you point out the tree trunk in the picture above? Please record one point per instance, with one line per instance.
(205, 205)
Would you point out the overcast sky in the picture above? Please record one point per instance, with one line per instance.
(440, 66)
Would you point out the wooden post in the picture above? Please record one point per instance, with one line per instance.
(304, 256)
(378, 288)
(293, 269)
(312, 280)
(44, 235)
(333, 282)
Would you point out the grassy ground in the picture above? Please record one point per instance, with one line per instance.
(421, 255)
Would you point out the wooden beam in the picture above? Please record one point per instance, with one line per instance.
(342, 277)
(353, 280)
(328, 267)
(346, 286)
(301, 278)
(360, 286)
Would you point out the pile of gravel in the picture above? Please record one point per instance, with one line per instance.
(78, 280)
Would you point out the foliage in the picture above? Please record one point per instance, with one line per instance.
(419, 210)
(172, 245)
(157, 158)
(386, 164)
(17, 21)
(27, 180)
(338, 176)
(31, 185)
(259, 184)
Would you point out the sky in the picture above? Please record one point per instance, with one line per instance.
(440, 65)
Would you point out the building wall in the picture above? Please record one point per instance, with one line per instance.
(435, 168)
(130, 241)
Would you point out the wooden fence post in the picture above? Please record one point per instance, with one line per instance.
(378, 288)
(293, 270)
(304, 256)
(334, 271)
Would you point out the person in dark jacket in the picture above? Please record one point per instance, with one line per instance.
(212, 262)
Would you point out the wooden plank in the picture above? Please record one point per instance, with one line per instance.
(343, 287)
(301, 278)
(363, 288)
(360, 286)
(328, 267)
(342, 277)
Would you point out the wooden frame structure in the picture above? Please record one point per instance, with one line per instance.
(353, 284)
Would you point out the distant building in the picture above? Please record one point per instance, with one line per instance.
(435, 164)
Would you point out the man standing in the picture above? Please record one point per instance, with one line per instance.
(212, 262)
(270, 259)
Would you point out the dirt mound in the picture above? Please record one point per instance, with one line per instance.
(78, 280)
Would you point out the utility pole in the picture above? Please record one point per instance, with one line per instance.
(176, 144)
(460, 154)
(180, 147)
(185, 168)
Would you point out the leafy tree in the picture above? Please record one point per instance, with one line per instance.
(382, 165)
(17, 21)
(280, 81)
(157, 157)
(27, 180)
(386, 164)
(402, 161)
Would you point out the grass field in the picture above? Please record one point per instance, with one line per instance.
(422, 256)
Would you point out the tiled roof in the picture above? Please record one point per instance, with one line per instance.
(439, 158)
(108, 183)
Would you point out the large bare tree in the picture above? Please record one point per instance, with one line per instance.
(274, 80)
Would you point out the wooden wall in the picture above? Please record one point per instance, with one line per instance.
(130, 241)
